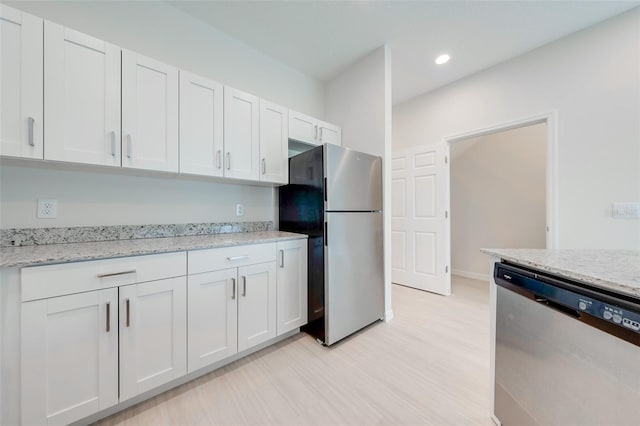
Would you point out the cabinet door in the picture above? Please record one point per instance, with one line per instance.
(21, 82)
(69, 357)
(149, 113)
(303, 128)
(256, 304)
(81, 97)
(153, 335)
(292, 285)
(274, 143)
(241, 138)
(213, 317)
(201, 132)
(329, 133)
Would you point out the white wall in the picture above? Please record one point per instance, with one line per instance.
(592, 80)
(359, 100)
(110, 198)
(95, 197)
(497, 195)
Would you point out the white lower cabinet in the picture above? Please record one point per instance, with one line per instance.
(97, 333)
(256, 305)
(213, 317)
(292, 285)
(69, 357)
(153, 335)
(232, 301)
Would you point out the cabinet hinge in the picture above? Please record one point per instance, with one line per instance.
(446, 269)
(446, 214)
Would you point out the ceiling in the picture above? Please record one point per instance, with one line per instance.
(322, 38)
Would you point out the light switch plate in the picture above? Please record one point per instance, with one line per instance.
(626, 210)
(47, 209)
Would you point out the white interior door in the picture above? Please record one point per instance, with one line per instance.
(420, 228)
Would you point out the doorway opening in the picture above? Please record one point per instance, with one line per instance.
(498, 194)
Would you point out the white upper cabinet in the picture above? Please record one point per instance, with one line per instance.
(149, 113)
(329, 133)
(82, 97)
(21, 84)
(201, 131)
(304, 128)
(241, 135)
(274, 142)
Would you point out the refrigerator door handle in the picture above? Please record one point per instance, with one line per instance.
(326, 234)
(324, 189)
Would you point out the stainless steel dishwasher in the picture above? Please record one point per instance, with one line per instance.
(566, 353)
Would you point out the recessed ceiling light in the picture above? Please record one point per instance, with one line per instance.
(442, 59)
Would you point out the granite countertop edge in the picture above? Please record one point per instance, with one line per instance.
(37, 255)
(619, 280)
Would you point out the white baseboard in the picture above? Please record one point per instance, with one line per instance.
(472, 275)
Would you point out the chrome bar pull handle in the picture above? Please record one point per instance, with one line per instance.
(112, 135)
(113, 274)
(320, 134)
(316, 135)
(108, 307)
(228, 160)
(244, 256)
(129, 146)
(282, 258)
(244, 286)
(127, 304)
(219, 159)
(264, 166)
(30, 122)
(233, 291)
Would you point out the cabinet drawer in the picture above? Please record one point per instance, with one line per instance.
(230, 257)
(40, 282)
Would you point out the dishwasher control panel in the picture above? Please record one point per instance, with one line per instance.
(569, 297)
(613, 314)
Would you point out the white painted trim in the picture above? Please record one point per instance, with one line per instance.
(388, 315)
(472, 275)
(551, 119)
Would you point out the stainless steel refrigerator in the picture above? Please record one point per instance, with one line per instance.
(334, 196)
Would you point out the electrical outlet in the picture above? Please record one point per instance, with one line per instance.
(47, 209)
(239, 209)
(626, 210)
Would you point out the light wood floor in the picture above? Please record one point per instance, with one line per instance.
(430, 365)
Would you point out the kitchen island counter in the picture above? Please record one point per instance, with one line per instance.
(613, 270)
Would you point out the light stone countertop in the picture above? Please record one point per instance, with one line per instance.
(72, 252)
(613, 270)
